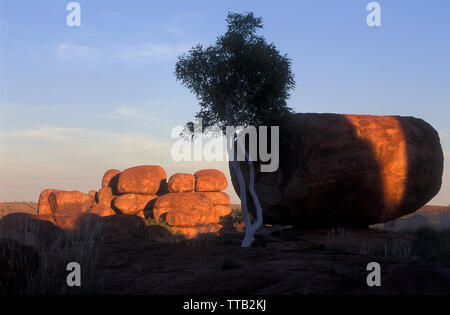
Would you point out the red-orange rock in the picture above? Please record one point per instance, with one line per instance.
(197, 205)
(222, 210)
(181, 182)
(349, 171)
(44, 205)
(92, 196)
(218, 197)
(74, 209)
(145, 180)
(63, 199)
(185, 219)
(210, 180)
(29, 230)
(192, 232)
(102, 210)
(133, 203)
(105, 196)
(110, 179)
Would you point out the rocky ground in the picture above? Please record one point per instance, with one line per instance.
(282, 261)
(308, 264)
(12, 207)
(286, 262)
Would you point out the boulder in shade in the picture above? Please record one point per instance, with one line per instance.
(349, 171)
(29, 230)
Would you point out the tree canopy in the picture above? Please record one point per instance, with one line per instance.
(241, 80)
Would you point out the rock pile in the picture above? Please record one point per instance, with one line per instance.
(190, 204)
(195, 203)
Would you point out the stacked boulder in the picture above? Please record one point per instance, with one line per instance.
(62, 207)
(195, 203)
(138, 188)
(190, 204)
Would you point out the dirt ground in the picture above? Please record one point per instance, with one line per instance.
(311, 263)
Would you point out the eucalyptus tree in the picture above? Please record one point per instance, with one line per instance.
(241, 80)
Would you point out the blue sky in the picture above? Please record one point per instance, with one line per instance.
(75, 101)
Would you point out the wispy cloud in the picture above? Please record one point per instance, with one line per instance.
(138, 53)
(75, 158)
(174, 30)
(151, 52)
(135, 114)
(85, 142)
(70, 51)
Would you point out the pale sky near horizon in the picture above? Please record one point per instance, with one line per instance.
(76, 101)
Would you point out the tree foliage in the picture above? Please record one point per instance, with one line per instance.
(241, 80)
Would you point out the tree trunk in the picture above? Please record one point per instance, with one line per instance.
(250, 228)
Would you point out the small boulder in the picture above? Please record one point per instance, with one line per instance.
(181, 182)
(210, 180)
(110, 179)
(92, 196)
(146, 180)
(102, 210)
(133, 203)
(61, 199)
(44, 205)
(105, 196)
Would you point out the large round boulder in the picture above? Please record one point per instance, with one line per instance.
(146, 180)
(195, 208)
(218, 197)
(348, 170)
